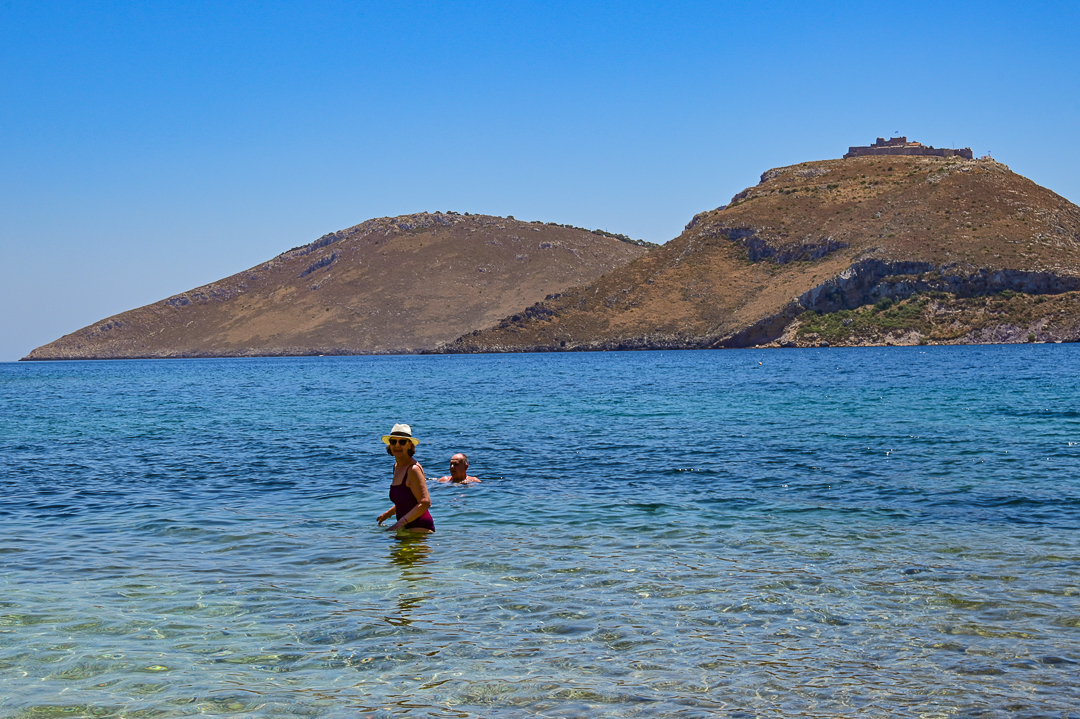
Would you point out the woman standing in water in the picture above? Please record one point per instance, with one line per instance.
(408, 490)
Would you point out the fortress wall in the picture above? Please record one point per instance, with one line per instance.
(932, 151)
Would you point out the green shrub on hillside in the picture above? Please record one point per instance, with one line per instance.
(883, 317)
(935, 315)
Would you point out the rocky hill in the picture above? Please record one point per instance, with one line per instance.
(866, 250)
(388, 285)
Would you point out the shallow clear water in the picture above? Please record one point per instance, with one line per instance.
(817, 533)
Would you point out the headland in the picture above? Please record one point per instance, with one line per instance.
(896, 243)
(916, 249)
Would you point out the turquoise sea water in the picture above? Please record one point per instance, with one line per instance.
(813, 533)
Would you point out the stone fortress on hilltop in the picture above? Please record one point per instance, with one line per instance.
(901, 146)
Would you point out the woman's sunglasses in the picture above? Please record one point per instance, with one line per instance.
(399, 441)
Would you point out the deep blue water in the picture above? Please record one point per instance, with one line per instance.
(818, 533)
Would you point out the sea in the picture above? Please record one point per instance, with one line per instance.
(865, 532)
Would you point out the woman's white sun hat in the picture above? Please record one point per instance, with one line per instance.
(398, 431)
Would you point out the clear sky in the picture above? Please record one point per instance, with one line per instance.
(151, 147)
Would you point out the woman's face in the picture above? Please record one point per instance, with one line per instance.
(399, 447)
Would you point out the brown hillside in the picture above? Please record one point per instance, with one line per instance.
(823, 236)
(398, 284)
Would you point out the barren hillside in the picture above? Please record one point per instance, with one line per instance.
(398, 284)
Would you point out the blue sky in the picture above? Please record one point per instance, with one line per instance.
(148, 148)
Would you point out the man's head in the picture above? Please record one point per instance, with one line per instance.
(459, 467)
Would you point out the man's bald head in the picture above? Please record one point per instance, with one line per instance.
(459, 467)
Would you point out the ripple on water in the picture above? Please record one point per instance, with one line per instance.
(657, 534)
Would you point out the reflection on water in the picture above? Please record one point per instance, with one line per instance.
(827, 533)
(411, 553)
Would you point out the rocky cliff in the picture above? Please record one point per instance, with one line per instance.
(388, 285)
(809, 242)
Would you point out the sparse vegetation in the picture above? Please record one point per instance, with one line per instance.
(939, 317)
(882, 317)
(624, 238)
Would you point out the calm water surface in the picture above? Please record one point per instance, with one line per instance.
(813, 533)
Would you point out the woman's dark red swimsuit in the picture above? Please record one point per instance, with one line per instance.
(404, 501)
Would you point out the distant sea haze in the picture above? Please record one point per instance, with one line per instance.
(824, 532)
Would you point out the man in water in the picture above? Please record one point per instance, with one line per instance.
(459, 471)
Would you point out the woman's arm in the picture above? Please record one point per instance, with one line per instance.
(417, 484)
(386, 515)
